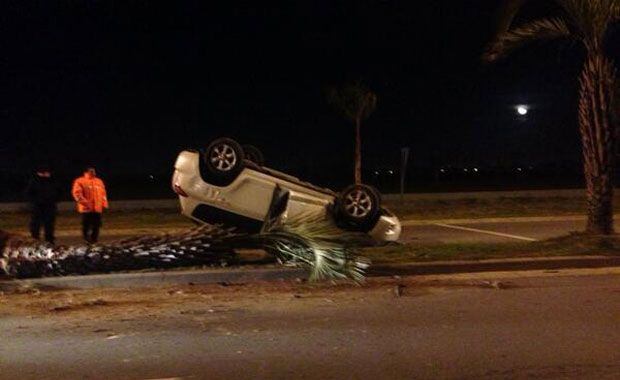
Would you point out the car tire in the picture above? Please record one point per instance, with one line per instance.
(254, 154)
(223, 161)
(358, 207)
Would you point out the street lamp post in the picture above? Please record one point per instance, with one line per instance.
(404, 155)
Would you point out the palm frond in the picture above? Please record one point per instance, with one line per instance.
(313, 242)
(506, 15)
(543, 29)
(354, 100)
(592, 18)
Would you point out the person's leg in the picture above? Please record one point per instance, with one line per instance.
(50, 219)
(85, 226)
(35, 222)
(96, 225)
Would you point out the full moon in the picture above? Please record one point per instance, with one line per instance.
(522, 110)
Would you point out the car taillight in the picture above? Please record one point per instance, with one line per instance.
(175, 185)
(177, 189)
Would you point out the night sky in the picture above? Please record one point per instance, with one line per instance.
(125, 85)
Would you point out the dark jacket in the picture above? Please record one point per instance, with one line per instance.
(42, 191)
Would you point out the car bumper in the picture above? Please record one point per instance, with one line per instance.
(388, 228)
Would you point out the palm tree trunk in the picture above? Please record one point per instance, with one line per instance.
(358, 152)
(598, 140)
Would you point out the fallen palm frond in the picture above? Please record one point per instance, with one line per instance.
(314, 242)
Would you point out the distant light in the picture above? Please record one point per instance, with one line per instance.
(376, 172)
(465, 170)
(391, 172)
(522, 110)
(442, 170)
(476, 170)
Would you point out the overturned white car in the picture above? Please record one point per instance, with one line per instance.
(228, 184)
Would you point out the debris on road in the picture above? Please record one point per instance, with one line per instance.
(494, 284)
(398, 290)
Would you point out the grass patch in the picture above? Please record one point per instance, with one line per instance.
(473, 208)
(571, 245)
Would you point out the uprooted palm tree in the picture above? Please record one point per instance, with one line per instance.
(588, 22)
(308, 241)
(356, 102)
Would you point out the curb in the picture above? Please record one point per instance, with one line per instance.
(238, 275)
(496, 265)
(145, 279)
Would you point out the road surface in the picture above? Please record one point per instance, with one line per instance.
(499, 230)
(528, 325)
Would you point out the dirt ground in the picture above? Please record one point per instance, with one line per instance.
(201, 299)
(121, 303)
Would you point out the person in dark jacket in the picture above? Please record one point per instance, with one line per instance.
(43, 192)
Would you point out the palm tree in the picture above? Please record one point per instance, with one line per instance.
(356, 102)
(587, 22)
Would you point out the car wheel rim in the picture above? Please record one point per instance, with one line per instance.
(223, 157)
(358, 203)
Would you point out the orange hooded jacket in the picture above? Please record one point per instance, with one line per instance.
(90, 195)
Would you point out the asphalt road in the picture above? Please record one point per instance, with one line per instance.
(551, 327)
(497, 231)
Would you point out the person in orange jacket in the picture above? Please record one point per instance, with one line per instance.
(90, 195)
